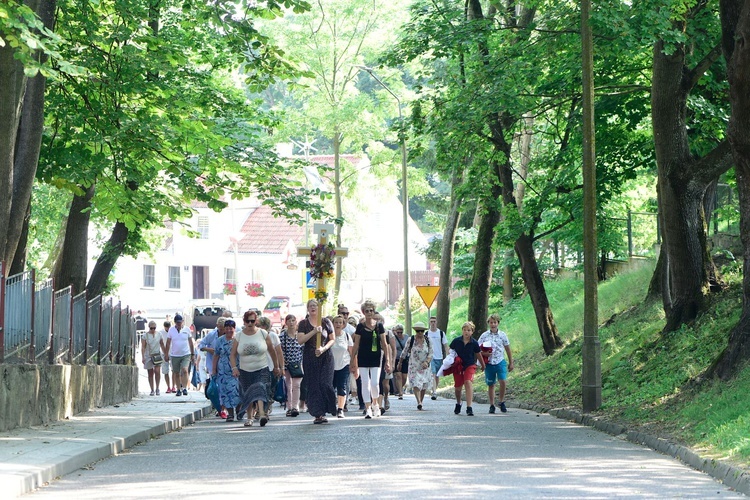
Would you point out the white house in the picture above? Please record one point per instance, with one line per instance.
(245, 243)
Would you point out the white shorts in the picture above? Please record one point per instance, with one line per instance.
(165, 368)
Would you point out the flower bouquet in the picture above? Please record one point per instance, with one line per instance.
(322, 260)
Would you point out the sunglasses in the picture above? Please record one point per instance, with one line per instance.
(152, 328)
(368, 311)
(345, 314)
(399, 331)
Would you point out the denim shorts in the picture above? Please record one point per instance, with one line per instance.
(341, 381)
(435, 365)
(493, 373)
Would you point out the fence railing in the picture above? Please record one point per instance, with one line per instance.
(41, 325)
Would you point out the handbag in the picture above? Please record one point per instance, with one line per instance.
(280, 394)
(157, 359)
(295, 370)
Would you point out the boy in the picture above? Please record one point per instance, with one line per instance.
(497, 367)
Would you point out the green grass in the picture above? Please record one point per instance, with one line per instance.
(650, 381)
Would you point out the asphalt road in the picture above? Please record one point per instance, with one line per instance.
(405, 454)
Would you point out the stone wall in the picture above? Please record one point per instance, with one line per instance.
(40, 394)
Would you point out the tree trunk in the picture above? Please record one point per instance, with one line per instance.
(106, 261)
(735, 23)
(538, 295)
(71, 264)
(19, 257)
(484, 256)
(682, 181)
(446, 255)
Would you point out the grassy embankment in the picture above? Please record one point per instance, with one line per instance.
(650, 381)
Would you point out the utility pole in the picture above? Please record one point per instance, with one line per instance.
(591, 377)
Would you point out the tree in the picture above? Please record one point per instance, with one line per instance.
(735, 25)
(158, 121)
(683, 175)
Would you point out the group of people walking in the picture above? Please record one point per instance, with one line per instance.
(318, 358)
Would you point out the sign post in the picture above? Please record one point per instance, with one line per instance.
(323, 231)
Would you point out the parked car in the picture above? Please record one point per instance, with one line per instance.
(276, 309)
(201, 315)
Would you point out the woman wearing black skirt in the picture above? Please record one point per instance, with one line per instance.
(317, 363)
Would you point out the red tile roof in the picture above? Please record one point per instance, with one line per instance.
(329, 160)
(265, 233)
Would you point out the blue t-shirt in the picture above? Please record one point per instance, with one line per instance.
(467, 352)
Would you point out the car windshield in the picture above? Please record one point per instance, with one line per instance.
(274, 304)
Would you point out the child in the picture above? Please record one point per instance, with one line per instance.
(497, 368)
(467, 349)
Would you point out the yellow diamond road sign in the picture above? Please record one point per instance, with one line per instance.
(428, 294)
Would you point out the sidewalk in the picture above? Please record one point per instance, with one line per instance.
(31, 457)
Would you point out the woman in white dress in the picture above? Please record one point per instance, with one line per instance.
(419, 354)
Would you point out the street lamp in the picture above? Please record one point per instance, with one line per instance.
(404, 194)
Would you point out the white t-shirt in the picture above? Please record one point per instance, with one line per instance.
(340, 349)
(275, 342)
(436, 341)
(180, 345)
(164, 334)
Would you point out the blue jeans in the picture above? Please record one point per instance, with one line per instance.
(341, 381)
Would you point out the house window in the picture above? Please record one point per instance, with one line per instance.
(203, 227)
(174, 277)
(230, 276)
(148, 276)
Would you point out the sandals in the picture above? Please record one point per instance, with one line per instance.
(320, 420)
(289, 413)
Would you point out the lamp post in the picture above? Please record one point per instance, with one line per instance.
(404, 195)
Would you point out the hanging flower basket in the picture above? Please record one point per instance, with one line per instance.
(254, 289)
(230, 288)
(322, 258)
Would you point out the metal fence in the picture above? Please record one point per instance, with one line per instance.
(41, 325)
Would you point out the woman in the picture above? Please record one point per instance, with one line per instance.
(370, 343)
(402, 370)
(152, 359)
(317, 360)
(417, 353)
(251, 346)
(342, 356)
(224, 366)
(292, 352)
(264, 323)
(467, 349)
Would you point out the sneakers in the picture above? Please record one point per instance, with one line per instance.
(469, 411)
(157, 392)
(178, 393)
(184, 392)
(503, 408)
(492, 408)
(368, 413)
(263, 421)
(457, 409)
(340, 413)
(248, 422)
(152, 393)
(419, 407)
(222, 413)
(434, 396)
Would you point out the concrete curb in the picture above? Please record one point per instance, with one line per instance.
(19, 483)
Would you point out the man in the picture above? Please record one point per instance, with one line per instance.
(439, 344)
(495, 346)
(181, 353)
(163, 333)
(349, 329)
(208, 345)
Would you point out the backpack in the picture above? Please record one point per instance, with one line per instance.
(411, 342)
